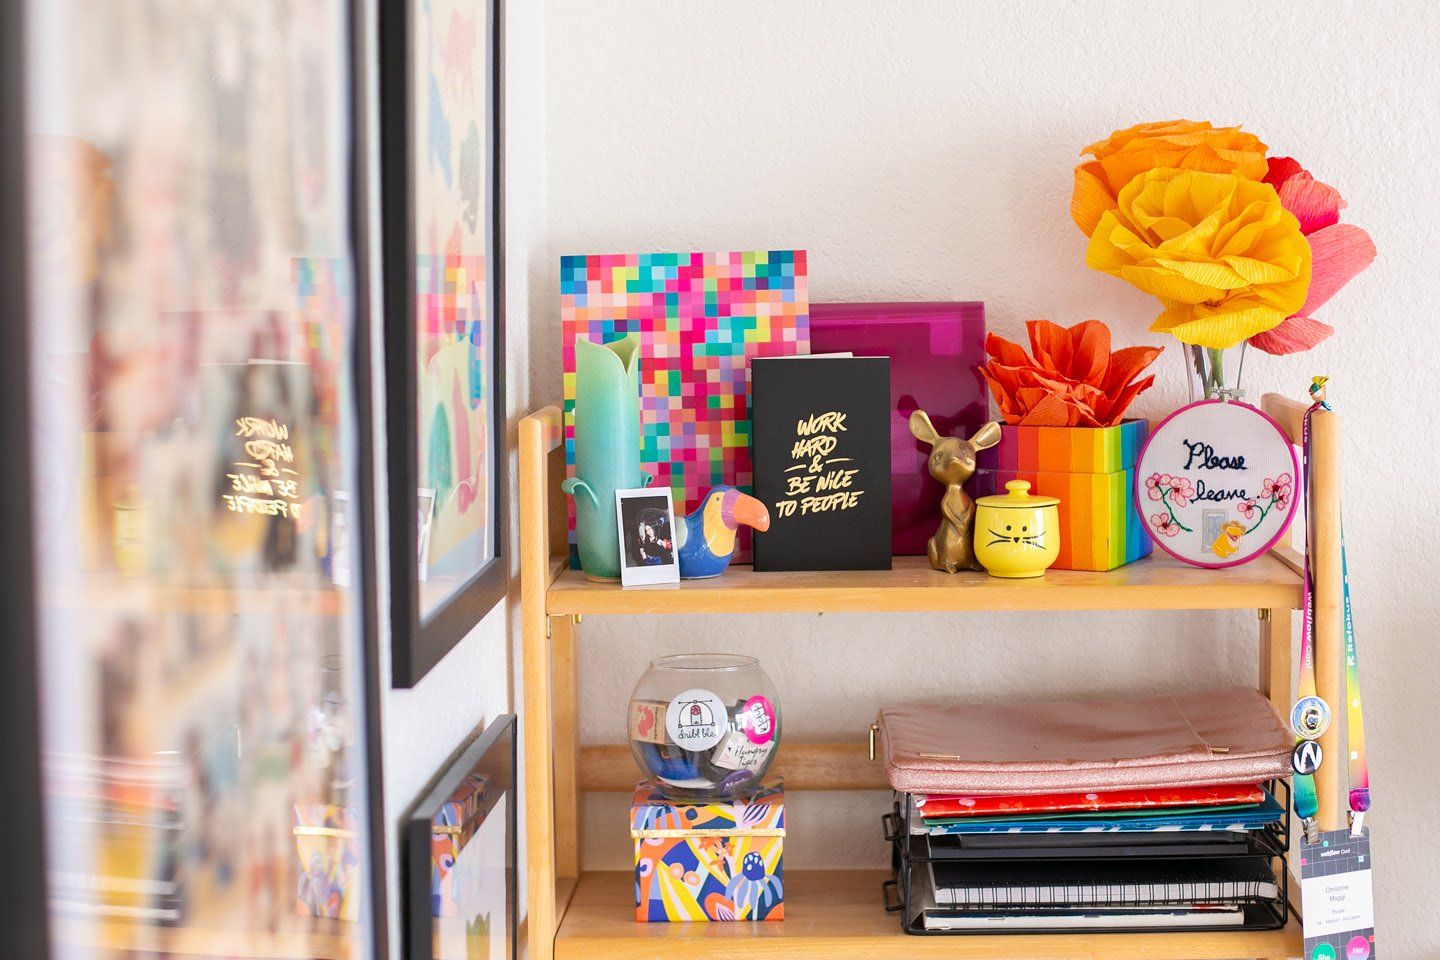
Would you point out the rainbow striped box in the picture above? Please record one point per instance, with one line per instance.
(1092, 472)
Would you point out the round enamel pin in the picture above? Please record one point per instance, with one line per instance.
(757, 719)
(1310, 718)
(1306, 757)
(696, 719)
(1216, 483)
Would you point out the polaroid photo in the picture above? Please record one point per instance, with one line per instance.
(646, 521)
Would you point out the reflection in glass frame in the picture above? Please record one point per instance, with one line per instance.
(460, 849)
(195, 233)
(440, 106)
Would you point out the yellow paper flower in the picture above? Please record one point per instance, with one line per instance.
(1181, 144)
(1225, 258)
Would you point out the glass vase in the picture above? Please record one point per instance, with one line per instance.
(1215, 374)
(704, 726)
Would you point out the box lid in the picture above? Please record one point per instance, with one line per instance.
(761, 815)
(1066, 449)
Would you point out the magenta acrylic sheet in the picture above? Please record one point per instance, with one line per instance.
(935, 350)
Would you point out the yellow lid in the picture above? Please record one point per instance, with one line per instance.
(1017, 499)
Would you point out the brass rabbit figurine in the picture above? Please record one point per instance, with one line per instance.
(952, 462)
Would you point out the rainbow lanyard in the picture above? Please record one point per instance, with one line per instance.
(1306, 801)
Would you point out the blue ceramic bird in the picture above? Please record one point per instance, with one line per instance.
(706, 538)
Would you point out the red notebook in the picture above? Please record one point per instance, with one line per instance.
(932, 807)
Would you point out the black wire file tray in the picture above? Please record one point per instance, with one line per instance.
(1098, 881)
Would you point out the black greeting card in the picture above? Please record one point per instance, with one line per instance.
(822, 462)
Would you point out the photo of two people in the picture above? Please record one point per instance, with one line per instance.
(649, 541)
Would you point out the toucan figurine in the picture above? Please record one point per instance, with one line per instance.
(706, 538)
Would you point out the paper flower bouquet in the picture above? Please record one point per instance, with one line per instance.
(1238, 247)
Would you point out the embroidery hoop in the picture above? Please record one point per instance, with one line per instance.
(1246, 555)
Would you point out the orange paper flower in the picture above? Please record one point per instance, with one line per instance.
(1178, 144)
(1073, 380)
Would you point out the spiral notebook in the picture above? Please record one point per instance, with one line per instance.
(1102, 883)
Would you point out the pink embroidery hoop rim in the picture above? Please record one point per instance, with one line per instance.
(1289, 514)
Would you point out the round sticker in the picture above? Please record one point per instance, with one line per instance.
(1322, 951)
(1306, 757)
(1357, 949)
(1310, 718)
(1216, 483)
(757, 719)
(696, 720)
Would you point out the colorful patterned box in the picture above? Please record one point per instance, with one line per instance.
(1092, 471)
(708, 861)
(700, 317)
(935, 352)
(327, 842)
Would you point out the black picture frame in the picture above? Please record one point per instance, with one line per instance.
(493, 756)
(23, 900)
(418, 643)
(361, 366)
(25, 905)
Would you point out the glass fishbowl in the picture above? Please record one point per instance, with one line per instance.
(704, 726)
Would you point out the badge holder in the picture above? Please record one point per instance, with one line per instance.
(1335, 866)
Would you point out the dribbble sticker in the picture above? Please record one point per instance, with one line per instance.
(757, 719)
(696, 719)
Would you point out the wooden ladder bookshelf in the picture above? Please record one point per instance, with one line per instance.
(832, 914)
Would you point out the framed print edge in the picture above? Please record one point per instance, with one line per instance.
(416, 880)
(362, 359)
(418, 642)
(23, 887)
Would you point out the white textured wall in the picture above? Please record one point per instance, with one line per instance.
(924, 150)
(479, 678)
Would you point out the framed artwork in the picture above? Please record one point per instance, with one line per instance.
(460, 849)
(22, 847)
(197, 342)
(440, 110)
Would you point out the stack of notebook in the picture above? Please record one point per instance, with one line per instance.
(1081, 816)
(128, 812)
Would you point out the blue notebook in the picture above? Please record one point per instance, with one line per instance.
(1252, 818)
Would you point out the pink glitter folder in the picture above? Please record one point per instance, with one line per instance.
(935, 350)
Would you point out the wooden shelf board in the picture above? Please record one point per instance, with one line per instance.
(834, 914)
(1155, 583)
(804, 765)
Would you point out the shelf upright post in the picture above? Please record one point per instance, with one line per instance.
(537, 438)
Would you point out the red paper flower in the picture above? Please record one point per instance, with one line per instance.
(1338, 251)
(1073, 380)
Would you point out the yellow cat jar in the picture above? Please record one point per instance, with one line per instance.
(1017, 535)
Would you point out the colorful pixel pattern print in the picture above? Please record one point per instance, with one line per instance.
(700, 318)
(710, 861)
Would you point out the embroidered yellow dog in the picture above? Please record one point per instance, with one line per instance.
(1228, 542)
